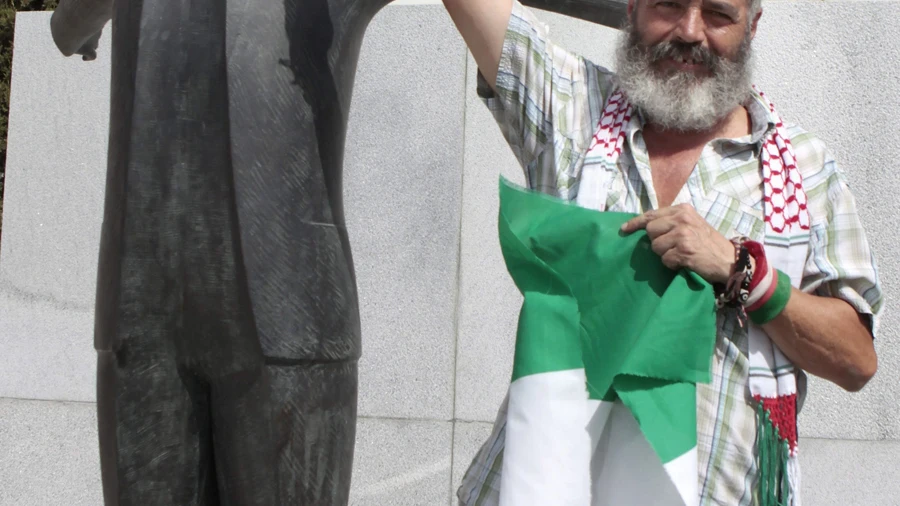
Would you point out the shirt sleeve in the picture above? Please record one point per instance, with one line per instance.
(841, 263)
(542, 102)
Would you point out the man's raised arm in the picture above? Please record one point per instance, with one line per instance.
(482, 24)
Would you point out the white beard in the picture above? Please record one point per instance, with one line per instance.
(682, 101)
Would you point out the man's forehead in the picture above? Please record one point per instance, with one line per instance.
(734, 6)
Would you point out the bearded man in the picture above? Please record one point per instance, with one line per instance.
(681, 138)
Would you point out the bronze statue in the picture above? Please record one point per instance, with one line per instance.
(227, 324)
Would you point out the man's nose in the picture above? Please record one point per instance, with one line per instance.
(691, 27)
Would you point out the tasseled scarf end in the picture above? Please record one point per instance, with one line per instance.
(776, 443)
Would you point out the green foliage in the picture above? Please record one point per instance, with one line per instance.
(8, 9)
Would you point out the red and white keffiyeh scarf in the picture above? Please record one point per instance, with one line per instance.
(772, 377)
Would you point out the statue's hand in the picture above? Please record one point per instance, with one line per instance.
(76, 26)
(88, 51)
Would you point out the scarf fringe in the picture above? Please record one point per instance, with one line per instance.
(794, 478)
(778, 469)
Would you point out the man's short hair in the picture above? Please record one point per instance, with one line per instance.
(755, 6)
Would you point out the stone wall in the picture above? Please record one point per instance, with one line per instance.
(438, 310)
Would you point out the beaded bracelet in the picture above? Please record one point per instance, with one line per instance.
(770, 289)
(736, 290)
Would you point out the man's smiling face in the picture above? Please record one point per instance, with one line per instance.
(687, 63)
(717, 27)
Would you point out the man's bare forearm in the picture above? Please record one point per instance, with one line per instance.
(825, 337)
(482, 24)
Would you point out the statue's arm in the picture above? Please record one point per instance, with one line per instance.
(76, 26)
(609, 13)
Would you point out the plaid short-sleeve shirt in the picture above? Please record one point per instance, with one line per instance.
(547, 104)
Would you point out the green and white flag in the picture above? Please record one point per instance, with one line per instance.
(609, 349)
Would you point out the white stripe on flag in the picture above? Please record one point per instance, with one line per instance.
(547, 455)
(626, 471)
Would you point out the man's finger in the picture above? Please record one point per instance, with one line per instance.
(672, 259)
(638, 222)
(659, 226)
(641, 221)
(661, 245)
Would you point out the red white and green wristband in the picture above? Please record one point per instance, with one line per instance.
(770, 289)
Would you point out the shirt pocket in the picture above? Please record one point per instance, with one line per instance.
(733, 217)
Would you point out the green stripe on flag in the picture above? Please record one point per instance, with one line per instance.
(548, 336)
(598, 299)
(663, 411)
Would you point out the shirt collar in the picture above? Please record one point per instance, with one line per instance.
(762, 120)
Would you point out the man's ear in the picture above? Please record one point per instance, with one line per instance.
(631, 7)
(755, 23)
